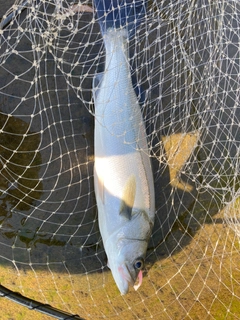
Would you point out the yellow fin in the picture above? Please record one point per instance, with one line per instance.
(128, 197)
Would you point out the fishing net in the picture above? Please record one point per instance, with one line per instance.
(185, 55)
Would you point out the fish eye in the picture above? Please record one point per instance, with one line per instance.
(138, 264)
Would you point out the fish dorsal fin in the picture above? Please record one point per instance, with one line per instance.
(128, 197)
(96, 84)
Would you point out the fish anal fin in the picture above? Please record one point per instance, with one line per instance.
(128, 197)
(96, 84)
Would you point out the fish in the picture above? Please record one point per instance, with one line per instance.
(123, 177)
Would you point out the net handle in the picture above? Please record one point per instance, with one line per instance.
(4, 23)
(35, 305)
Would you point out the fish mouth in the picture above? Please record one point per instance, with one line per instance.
(127, 279)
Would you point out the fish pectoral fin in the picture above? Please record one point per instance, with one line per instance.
(126, 211)
(128, 198)
(96, 84)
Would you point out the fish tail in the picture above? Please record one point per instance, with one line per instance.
(118, 14)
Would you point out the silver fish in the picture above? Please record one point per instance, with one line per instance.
(123, 176)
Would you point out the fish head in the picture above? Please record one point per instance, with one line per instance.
(127, 263)
(126, 253)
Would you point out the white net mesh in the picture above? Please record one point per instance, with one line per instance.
(186, 57)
